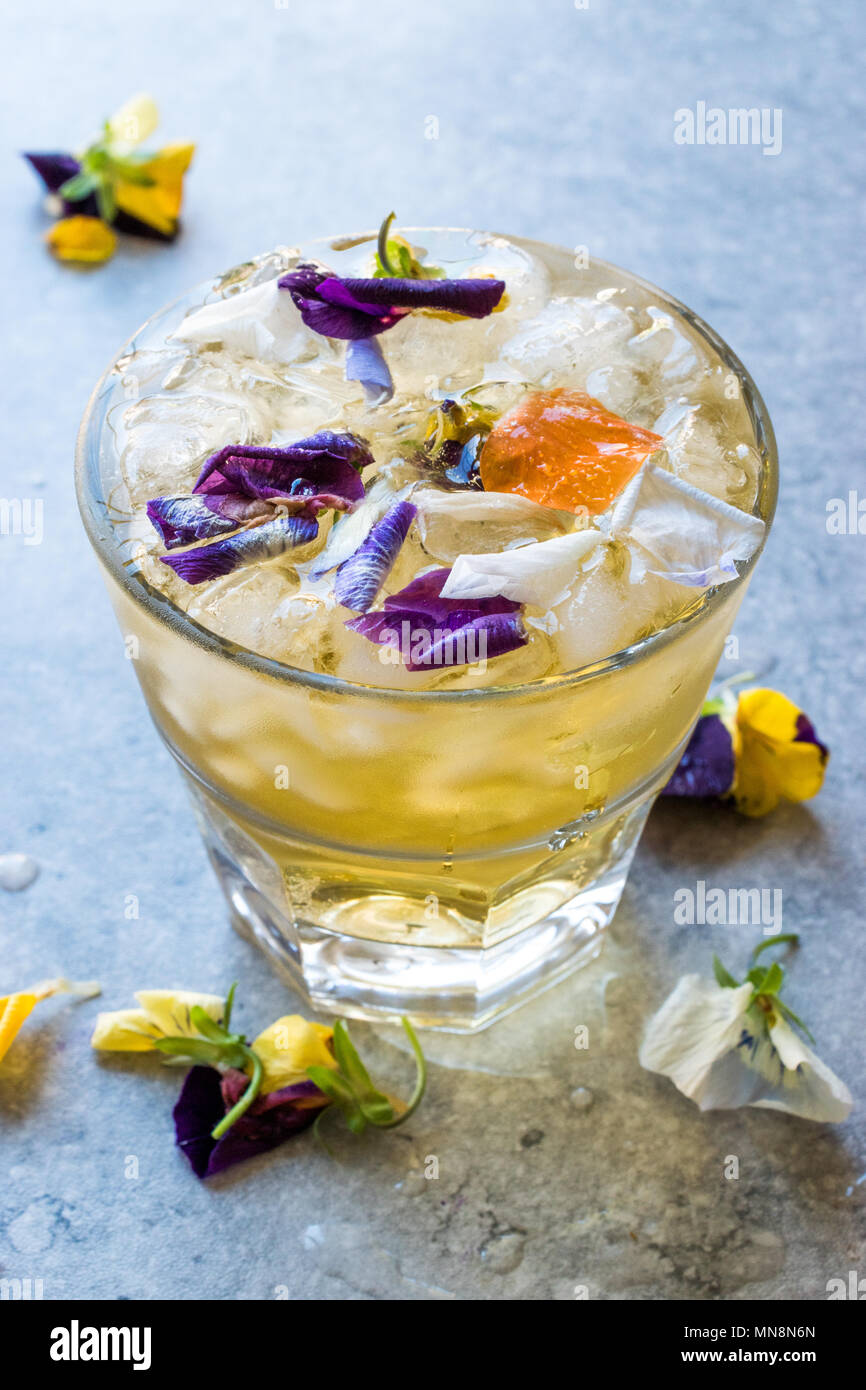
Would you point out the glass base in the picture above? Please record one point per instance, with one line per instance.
(356, 940)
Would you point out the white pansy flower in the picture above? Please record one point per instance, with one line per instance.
(725, 1046)
(680, 533)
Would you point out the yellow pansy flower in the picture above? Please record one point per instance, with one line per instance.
(289, 1047)
(778, 754)
(157, 203)
(15, 1008)
(85, 239)
(164, 1013)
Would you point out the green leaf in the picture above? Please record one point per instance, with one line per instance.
(772, 981)
(209, 1054)
(229, 1005)
(106, 200)
(77, 188)
(350, 1063)
(723, 976)
(332, 1084)
(206, 1025)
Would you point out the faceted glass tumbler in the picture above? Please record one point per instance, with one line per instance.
(440, 854)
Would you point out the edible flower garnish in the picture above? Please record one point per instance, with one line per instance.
(541, 573)
(395, 256)
(681, 533)
(16, 1008)
(360, 578)
(455, 434)
(728, 1043)
(360, 309)
(758, 749)
(420, 628)
(267, 497)
(114, 184)
(241, 1099)
(564, 449)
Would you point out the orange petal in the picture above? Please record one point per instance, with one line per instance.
(85, 239)
(563, 449)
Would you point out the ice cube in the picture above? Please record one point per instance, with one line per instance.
(607, 613)
(464, 523)
(566, 340)
(664, 348)
(169, 437)
(703, 450)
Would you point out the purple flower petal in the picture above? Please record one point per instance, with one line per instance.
(183, 520)
(360, 578)
(244, 548)
(474, 299)
(806, 734)
(422, 596)
(326, 464)
(428, 630)
(707, 766)
(199, 1108)
(354, 309)
(205, 1099)
(365, 363)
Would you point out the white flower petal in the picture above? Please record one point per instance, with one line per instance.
(261, 322)
(680, 533)
(540, 574)
(695, 1026)
(807, 1087)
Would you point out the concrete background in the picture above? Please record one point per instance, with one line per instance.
(555, 122)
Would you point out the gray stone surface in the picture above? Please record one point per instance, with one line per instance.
(554, 122)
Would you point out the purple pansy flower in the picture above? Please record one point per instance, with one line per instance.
(207, 1096)
(255, 501)
(707, 765)
(360, 578)
(427, 630)
(361, 308)
(57, 169)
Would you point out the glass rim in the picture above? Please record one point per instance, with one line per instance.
(100, 529)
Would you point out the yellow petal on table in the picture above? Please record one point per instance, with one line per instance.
(125, 1030)
(135, 121)
(85, 239)
(773, 764)
(169, 1009)
(158, 204)
(15, 1008)
(288, 1047)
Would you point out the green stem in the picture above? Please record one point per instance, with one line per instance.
(791, 937)
(420, 1081)
(246, 1099)
(382, 244)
